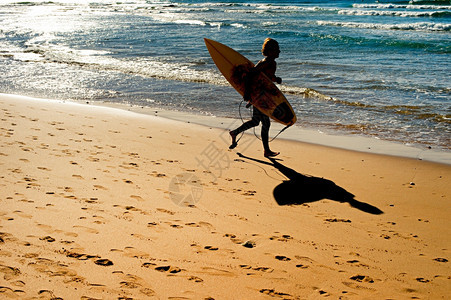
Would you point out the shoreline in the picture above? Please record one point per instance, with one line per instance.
(358, 143)
(102, 203)
(350, 142)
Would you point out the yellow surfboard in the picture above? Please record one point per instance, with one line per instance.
(264, 93)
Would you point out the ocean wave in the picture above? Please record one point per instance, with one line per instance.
(305, 92)
(191, 22)
(418, 112)
(257, 8)
(405, 134)
(175, 19)
(420, 26)
(400, 6)
(287, 7)
(100, 61)
(404, 14)
(29, 3)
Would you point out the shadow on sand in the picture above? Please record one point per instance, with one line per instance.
(300, 189)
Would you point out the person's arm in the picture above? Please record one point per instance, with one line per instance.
(247, 84)
(269, 69)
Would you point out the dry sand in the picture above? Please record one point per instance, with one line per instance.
(100, 203)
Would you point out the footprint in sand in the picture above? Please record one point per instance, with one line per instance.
(165, 211)
(156, 174)
(99, 187)
(283, 238)
(9, 293)
(169, 269)
(335, 220)
(131, 208)
(249, 244)
(130, 165)
(273, 293)
(148, 265)
(233, 238)
(260, 269)
(282, 258)
(91, 200)
(67, 189)
(136, 197)
(211, 248)
(47, 239)
(9, 273)
(130, 281)
(357, 263)
(46, 228)
(18, 283)
(22, 214)
(87, 229)
(362, 278)
(103, 262)
(76, 255)
(54, 268)
(216, 272)
(133, 253)
(44, 146)
(175, 225)
(195, 279)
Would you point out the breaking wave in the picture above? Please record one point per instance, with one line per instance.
(419, 26)
(400, 6)
(395, 13)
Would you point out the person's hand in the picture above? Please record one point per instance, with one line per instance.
(247, 97)
(278, 80)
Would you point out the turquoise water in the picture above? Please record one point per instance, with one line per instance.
(353, 67)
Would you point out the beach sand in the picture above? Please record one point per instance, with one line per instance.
(102, 203)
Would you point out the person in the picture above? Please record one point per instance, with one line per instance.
(267, 65)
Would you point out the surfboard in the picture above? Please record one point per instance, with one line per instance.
(265, 95)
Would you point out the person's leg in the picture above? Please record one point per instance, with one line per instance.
(266, 123)
(245, 126)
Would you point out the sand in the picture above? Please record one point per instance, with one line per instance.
(101, 203)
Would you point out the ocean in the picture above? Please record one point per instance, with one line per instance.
(376, 69)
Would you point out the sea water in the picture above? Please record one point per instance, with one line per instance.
(378, 69)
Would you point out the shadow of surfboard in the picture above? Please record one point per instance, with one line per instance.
(300, 189)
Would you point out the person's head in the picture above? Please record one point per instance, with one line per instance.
(270, 48)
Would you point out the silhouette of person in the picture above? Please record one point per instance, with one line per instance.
(268, 66)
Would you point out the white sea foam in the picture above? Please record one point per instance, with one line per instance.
(191, 22)
(421, 26)
(401, 6)
(238, 25)
(360, 12)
